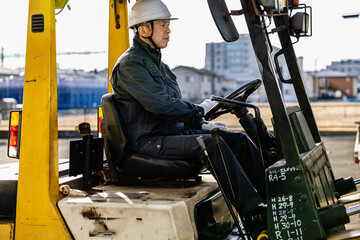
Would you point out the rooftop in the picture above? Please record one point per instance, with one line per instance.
(331, 74)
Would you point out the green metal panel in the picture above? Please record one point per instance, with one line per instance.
(291, 208)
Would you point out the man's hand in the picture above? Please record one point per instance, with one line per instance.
(211, 125)
(207, 104)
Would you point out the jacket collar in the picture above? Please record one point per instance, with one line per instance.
(155, 55)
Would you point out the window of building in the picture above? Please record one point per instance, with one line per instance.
(232, 46)
(323, 82)
(230, 53)
(189, 79)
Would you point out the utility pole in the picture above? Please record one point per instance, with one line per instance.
(2, 56)
(316, 79)
(212, 68)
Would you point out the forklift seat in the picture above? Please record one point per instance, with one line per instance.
(128, 167)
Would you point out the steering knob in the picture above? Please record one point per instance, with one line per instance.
(215, 133)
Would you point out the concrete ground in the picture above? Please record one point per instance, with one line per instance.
(339, 148)
(63, 150)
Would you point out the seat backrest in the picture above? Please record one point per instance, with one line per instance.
(114, 128)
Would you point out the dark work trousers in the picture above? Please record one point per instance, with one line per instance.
(241, 157)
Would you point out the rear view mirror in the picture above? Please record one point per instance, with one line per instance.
(223, 20)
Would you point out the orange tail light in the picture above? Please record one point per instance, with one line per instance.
(100, 117)
(14, 134)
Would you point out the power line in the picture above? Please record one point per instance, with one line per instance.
(22, 55)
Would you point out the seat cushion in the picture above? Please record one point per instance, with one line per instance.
(138, 165)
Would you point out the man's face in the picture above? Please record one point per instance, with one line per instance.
(161, 32)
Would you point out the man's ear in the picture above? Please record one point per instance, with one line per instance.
(144, 31)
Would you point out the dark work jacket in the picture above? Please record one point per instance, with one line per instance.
(149, 97)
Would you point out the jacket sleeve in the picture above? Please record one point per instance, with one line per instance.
(145, 83)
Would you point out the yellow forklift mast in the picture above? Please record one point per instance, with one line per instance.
(37, 214)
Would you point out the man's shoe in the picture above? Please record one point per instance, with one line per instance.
(255, 222)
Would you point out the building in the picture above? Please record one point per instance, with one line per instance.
(334, 84)
(288, 91)
(7, 72)
(80, 90)
(349, 66)
(76, 89)
(199, 84)
(236, 60)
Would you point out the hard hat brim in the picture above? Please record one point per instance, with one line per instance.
(132, 26)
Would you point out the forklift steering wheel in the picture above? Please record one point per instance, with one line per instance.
(240, 94)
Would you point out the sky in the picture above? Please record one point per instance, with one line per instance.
(85, 28)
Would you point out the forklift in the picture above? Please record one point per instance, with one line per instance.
(304, 200)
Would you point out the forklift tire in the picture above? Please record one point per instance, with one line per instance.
(263, 235)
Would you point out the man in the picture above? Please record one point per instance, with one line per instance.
(161, 124)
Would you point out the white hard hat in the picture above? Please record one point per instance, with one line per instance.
(148, 10)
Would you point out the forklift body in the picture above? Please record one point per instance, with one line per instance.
(302, 194)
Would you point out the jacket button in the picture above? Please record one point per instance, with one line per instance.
(158, 146)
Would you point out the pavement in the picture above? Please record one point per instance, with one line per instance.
(63, 149)
(340, 149)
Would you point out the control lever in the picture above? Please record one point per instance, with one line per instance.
(203, 147)
(85, 131)
(215, 133)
